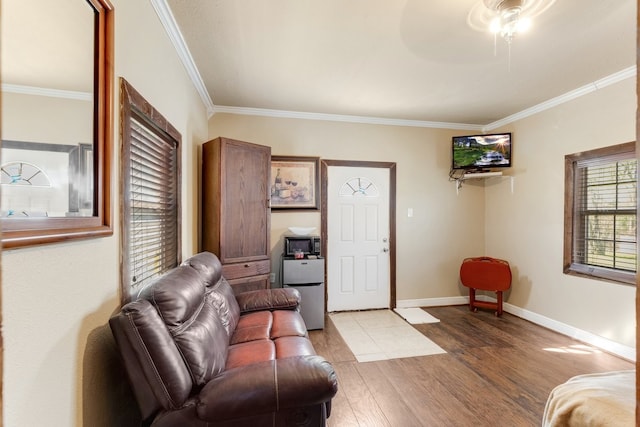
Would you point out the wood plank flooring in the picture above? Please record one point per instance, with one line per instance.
(497, 372)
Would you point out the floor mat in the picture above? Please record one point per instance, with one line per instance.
(416, 315)
(381, 335)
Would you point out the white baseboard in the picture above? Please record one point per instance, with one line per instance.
(628, 353)
(431, 302)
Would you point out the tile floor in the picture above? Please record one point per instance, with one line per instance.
(380, 335)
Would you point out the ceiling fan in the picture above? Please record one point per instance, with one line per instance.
(511, 17)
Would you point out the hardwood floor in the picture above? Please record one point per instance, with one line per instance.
(497, 372)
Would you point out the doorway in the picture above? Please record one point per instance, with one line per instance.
(358, 234)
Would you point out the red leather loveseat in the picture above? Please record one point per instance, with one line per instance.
(196, 355)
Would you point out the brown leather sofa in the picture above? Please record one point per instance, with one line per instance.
(196, 355)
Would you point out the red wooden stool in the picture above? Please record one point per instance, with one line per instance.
(485, 274)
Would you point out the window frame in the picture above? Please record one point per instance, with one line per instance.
(615, 152)
(134, 106)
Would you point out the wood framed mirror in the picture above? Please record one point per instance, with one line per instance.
(57, 90)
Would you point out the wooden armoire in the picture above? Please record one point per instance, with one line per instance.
(236, 210)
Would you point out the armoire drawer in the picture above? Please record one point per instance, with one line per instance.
(250, 283)
(246, 269)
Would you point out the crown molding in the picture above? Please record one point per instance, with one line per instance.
(171, 27)
(569, 96)
(43, 91)
(343, 118)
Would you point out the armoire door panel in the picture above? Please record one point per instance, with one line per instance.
(235, 206)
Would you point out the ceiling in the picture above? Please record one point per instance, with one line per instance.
(415, 60)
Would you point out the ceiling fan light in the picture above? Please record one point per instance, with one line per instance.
(506, 18)
(495, 26)
(523, 25)
(509, 17)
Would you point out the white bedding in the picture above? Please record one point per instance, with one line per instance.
(604, 399)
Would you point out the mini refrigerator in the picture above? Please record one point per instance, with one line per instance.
(307, 276)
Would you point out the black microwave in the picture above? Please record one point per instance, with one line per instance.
(308, 245)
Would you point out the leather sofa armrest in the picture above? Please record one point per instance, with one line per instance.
(269, 299)
(267, 387)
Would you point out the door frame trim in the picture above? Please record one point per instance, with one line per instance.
(324, 170)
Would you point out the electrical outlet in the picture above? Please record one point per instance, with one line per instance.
(272, 277)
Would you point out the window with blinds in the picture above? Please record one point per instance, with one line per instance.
(601, 213)
(150, 194)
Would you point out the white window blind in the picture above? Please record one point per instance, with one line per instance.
(150, 193)
(153, 218)
(604, 214)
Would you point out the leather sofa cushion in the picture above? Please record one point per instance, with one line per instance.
(156, 368)
(222, 297)
(288, 323)
(293, 346)
(253, 326)
(261, 325)
(179, 298)
(207, 265)
(265, 335)
(204, 345)
(177, 295)
(251, 352)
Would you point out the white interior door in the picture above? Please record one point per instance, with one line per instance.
(357, 238)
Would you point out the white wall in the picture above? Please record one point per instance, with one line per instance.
(58, 298)
(446, 227)
(526, 226)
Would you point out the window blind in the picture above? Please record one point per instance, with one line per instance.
(605, 192)
(153, 203)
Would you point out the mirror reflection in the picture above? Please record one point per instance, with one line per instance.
(47, 68)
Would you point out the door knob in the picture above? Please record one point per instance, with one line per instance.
(385, 249)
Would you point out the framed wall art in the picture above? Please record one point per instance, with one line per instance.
(295, 182)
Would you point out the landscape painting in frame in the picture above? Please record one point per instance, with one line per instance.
(295, 182)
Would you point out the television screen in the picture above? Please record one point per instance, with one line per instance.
(481, 151)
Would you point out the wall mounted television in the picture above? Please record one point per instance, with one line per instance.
(481, 152)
